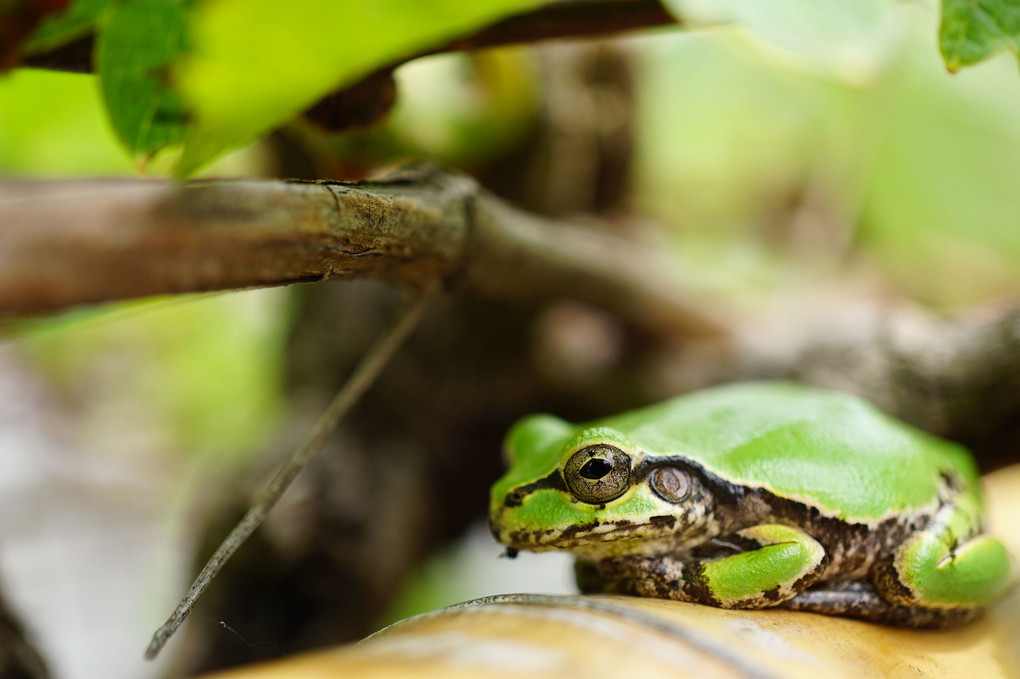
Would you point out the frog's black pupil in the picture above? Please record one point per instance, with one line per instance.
(595, 469)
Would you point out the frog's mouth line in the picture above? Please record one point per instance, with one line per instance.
(593, 532)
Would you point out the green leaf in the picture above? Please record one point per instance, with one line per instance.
(973, 30)
(852, 39)
(257, 63)
(55, 124)
(63, 27)
(133, 55)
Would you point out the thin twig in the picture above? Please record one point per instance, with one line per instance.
(360, 380)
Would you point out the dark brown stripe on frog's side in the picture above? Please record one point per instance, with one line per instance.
(851, 547)
(619, 526)
(532, 537)
(516, 497)
(571, 531)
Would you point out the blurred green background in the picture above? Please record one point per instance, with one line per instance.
(766, 167)
(769, 166)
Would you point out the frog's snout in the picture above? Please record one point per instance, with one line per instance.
(497, 524)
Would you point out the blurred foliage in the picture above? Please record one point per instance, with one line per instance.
(460, 110)
(754, 161)
(770, 156)
(254, 67)
(243, 67)
(134, 71)
(851, 38)
(219, 74)
(465, 110)
(60, 28)
(199, 376)
(972, 30)
(54, 124)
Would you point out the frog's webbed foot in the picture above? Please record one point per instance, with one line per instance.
(860, 600)
(777, 563)
(948, 566)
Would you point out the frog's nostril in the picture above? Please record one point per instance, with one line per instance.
(514, 498)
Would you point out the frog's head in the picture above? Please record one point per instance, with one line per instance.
(591, 491)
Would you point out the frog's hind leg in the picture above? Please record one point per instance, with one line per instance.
(860, 600)
(948, 565)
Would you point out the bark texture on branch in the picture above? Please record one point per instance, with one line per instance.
(79, 242)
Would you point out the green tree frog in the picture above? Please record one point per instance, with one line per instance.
(755, 495)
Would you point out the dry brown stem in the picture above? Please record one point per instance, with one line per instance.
(78, 242)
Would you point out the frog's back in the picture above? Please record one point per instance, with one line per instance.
(833, 450)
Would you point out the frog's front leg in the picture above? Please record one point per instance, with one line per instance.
(775, 563)
(948, 565)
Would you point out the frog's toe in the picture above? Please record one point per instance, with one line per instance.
(930, 571)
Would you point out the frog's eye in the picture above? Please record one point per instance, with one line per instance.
(670, 484)
(597, 474)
